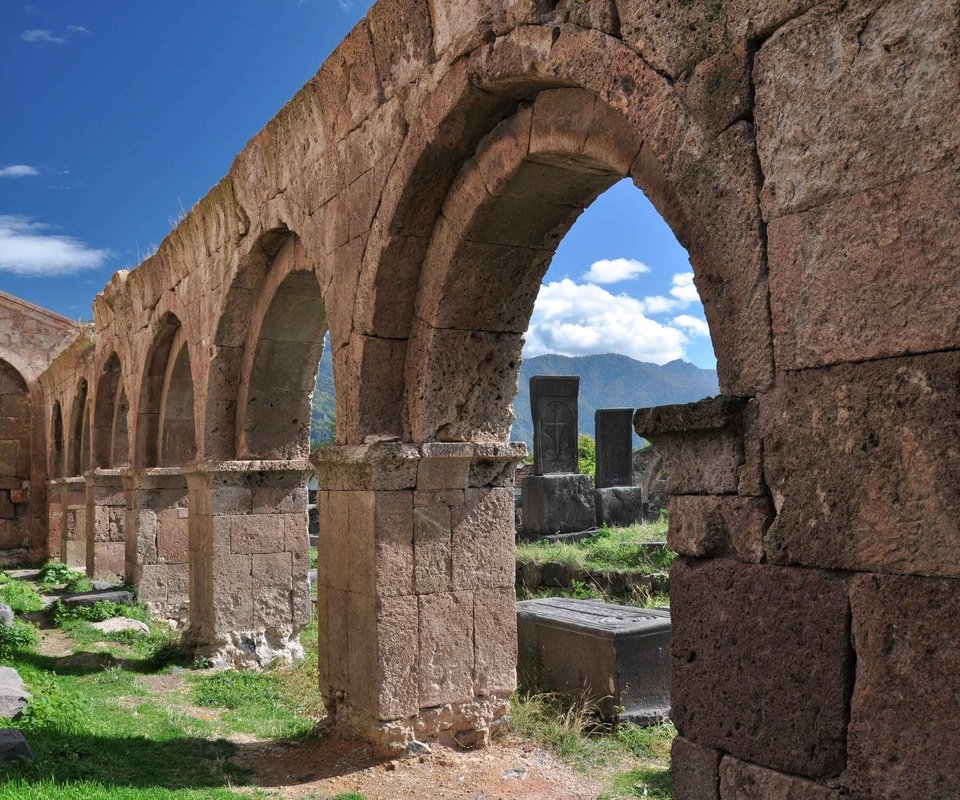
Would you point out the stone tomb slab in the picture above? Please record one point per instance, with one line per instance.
(553, 404)
(618, 655)
(614, 428)
(619, 506)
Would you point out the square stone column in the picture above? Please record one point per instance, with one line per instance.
(249, 561)
(54, 518)
(73, 532)
(156, 551)
(415, 589)
(105, 524)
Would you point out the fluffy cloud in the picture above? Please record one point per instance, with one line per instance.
(18, 171)
(26, 248)
(684, 290)
(581, 319)
(614, 270)
(697, 327)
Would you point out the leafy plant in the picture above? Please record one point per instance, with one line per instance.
(20, 596)
(586, 454)
(103, 609)
(19, 636)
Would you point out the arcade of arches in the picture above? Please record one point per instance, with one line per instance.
(408, 201)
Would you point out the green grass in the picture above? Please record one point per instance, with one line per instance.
(109, 721)
(611, 549)
(628, 758)
(21, 596)
(19, 636)
(55, 573)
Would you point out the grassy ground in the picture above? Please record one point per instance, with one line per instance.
(128, 717)
(609, 550)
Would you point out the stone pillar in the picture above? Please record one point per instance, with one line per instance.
(105, 524)
(54, 518)
(73, 532)
(249, 561)
(415, 589)
(156, 539)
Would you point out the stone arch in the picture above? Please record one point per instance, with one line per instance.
(109, 410)
(15, 464)
(281, 361)
(151, 392)
(178, 433)
(229, 344)
(78, 445)
(56, 441)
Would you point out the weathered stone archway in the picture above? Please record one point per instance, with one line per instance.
(800, 152)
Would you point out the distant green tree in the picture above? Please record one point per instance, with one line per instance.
(586, 454)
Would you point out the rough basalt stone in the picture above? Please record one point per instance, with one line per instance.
(885, 70)
(695, 771)
(762, 663)
(14, 697)
(905, 719)
(859, 461)
(868, 276)
(718, 525)
(742, 781)
(14, 747)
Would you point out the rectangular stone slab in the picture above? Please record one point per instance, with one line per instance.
(618, 655)
(553, 404)
(614, 430)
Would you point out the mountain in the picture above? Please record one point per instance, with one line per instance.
(613, 381)
(606, 381)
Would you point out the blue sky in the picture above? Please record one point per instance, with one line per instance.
(117, 116)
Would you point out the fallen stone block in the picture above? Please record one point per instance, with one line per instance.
(119, 624)
(14, 747)
(90, 598)
(14, 697)
(6, 615)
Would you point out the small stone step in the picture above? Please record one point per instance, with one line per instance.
(119, 624)
(24, 574)
(89, 598)
(14, 747)
(14, 696)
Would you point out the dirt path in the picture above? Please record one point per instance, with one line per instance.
(321, 768)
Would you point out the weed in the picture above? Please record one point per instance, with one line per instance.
(20, 596)
(19, 636)
(62, 615)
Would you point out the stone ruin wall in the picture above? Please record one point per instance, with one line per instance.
(805, 155)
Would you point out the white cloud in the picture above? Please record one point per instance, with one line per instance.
(581, 319)
(684, 290)
(18, 171)
(27, 249)
(697, 327)
(42, 36)
(614, 270)
(77, 29)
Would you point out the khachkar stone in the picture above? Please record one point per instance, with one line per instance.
(553, 403)
(614, 427)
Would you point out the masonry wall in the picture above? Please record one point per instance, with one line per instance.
(805, 154)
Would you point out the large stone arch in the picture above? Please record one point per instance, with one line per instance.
(16, 448)
(56, 457)
(148, 410)
(110, 410)
(177, 424)
(77, 450)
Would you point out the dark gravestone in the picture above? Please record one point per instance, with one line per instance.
(619, 506)
(557, 504)
(614, 428)
(618, 656)
(553, 403)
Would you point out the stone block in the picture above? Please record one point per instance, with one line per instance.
(557, 504)
(14, 697)
(432, 548)
(256, 533)
(719, 90)
(884, 493)
(742, 781)
(397, 657)
(14, 747)
(7, 508)
(482, 554)
(904, 738)
(495, 642)
(446, 648)
(619, 506)
(851, 96)
(614, 435)
(762, 663)
(394, 544)
(272, 569)
(695, 770)
(81, 599)
(8, 457)
(719, 525)
(701, 443)
(616, 656)
(723, 230)
(173, 541)
(869, 275)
